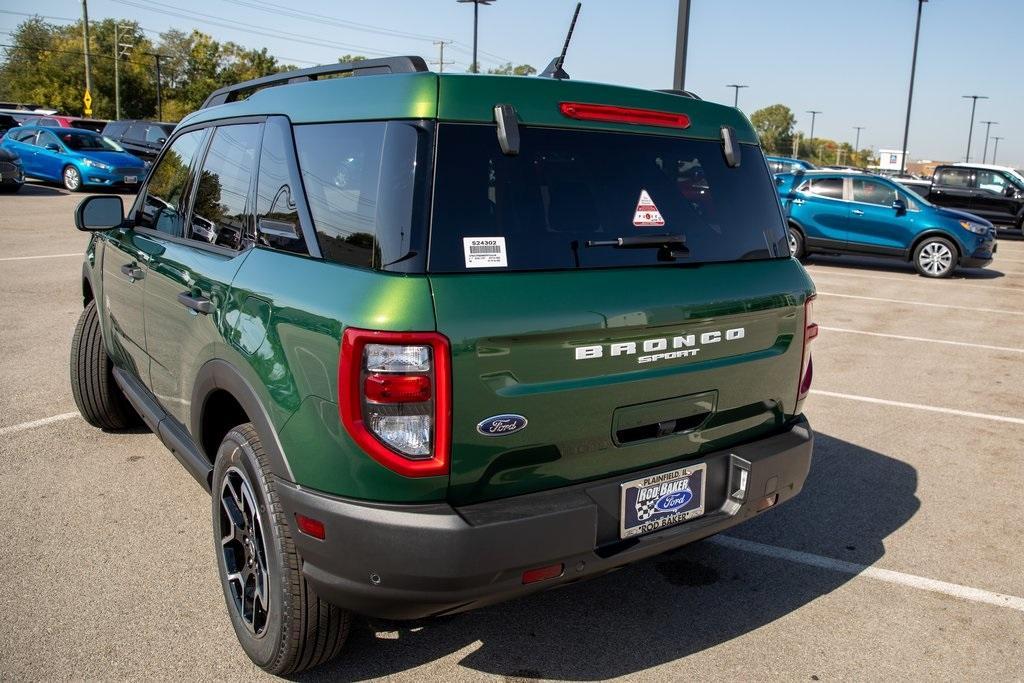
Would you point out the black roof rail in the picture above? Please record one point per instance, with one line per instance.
(365, 67)
(681, 93)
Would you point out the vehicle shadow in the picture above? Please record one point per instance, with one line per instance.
(36, 188)
(895, 266)
(667, 607)
(1011, 235)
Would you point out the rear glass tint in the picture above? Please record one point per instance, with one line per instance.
(568, 187)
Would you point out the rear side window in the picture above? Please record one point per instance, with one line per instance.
(570, 187)
(162, 208)
(136, 131)
(826, 187)
(365, 185)
(220, 212)
(115, 129)
(155, 135)
(277, 212)
(25, 136)
(954, 177)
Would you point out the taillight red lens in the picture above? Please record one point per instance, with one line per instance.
(613, 114)
(382, 388)
(394, 396)
(806, 366)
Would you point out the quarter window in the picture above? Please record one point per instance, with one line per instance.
(954, 177)
(277, 214)
(869, 191)
(220, 212)
(162, 207)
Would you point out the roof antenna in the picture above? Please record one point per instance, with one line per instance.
(554, 69)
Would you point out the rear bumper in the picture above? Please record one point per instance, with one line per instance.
(412, 561)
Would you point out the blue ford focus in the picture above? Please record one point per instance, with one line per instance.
(75, 157)
(833, 212)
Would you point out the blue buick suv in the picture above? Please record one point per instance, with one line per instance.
(855, 213)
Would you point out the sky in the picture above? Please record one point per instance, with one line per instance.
(850, 59)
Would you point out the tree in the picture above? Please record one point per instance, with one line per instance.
(351, 58)
(507, 69)
(774, 126)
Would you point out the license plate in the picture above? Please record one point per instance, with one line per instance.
(661, 500)
(131, 179)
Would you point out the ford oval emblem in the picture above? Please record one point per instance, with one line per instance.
(500, 425)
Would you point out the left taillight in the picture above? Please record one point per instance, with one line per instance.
(810, 333)
(394, 396)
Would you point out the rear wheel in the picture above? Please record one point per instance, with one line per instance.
(96, 394)
(935, 257)
(72, 179)
(281, 623)
(796, 242)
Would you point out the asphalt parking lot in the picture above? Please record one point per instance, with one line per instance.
(901, 559)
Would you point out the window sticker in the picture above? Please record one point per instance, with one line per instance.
(485, 252)
(647, 214)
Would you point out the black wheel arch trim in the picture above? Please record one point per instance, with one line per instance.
(218, 374)
(934, 232)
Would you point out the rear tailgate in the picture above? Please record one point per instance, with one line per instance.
(524, 344)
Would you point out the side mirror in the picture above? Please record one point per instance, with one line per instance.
(900, 207)
(161, 141)
(101, 212)
(1010, 191)
(52, 147)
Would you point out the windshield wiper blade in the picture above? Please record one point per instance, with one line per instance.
(670, 247)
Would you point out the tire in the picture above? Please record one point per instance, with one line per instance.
(96, 394)
(12, 188)
(71, 178)
(935, 257)
(288, 629)
(796, 243)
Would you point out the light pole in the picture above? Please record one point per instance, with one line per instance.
(910, 91)
(736, 98)
(476, 16)
(682, 33)
(988, 127)
(974, 103)
(814, 114)
(996, 148)
(856, 145)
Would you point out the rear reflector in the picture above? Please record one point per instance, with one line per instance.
(309, 526)
(543, 573)
(810, 334)
(766, 502)
(612, 114)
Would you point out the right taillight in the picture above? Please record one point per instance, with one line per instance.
(806, 366)
(394, 396)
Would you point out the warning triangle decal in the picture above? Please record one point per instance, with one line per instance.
(647, 214)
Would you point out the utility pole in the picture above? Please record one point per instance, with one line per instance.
(120, 50)
(440, 58)
(814, 114)
(856, 145)
(974, 103)
(996, 148)
(736, 97)
(910, 91)
(159, 99)
(87, 97)
(476, 16)
(988, 127)
(682, 34)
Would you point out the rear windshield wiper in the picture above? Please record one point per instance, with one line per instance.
(670, 247)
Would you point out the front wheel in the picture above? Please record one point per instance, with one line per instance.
(281, 623)
(935, 257)
(96, 394)
(72, 179)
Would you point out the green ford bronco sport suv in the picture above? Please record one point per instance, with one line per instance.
(436, 341)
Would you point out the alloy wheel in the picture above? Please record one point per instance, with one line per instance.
(935, 258)
(71, 178)
(244, 551)
(791, 238)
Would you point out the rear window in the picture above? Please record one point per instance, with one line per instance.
(570, 187)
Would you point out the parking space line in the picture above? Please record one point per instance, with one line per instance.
(921, 339)
(923, 303)
(920, 406)
(29, 258)
(4, 431)
(909, 280)
(889, 576)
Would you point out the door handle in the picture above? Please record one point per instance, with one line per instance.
(132, 271)
(798, 201)
(199, 304)
(857, 212)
